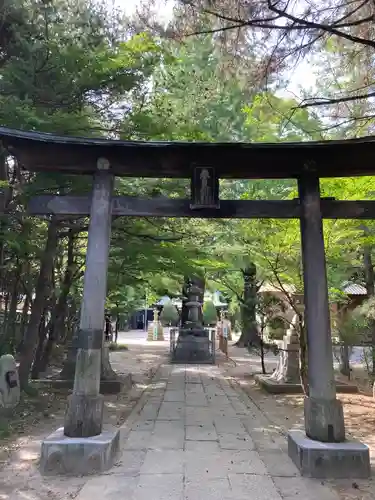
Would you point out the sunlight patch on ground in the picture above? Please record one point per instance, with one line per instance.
(25, 495)
(142, 386)
(27, 454)
(158, 385)
(147, 356)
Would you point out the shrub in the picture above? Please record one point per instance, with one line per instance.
(169, 314)
(209, 313)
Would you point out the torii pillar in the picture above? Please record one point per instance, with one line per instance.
(324, 418)
(322, 450)
(82, 447)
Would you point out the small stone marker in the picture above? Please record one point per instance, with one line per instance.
(9, 382)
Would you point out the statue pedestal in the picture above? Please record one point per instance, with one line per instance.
(193, 346)
(286, 378)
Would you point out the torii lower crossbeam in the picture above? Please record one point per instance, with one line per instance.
(129, 206)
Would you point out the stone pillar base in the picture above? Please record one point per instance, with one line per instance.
(324, 420)
(328, 460)
(62, 455)
(84, 416)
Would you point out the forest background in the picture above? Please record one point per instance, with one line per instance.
(84, 68)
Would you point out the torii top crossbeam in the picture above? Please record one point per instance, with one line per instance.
(38, 151)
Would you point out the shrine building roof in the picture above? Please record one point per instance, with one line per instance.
(39, 151)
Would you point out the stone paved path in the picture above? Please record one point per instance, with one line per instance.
(197, 437)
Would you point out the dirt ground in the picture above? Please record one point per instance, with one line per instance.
(286, 411)
(36, 418)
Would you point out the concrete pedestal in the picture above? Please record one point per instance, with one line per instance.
(62, 455)
(328, 460)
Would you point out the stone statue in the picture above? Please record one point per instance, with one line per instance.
(287, 370)
(155, 328)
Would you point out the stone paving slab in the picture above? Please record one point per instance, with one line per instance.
(211, 489)
(171, 411)
(130, 463)
(166, 436)
(163, 462)
(112, 488)
(246, 486)
(200, 447)
(198, 437)
(296, 488)
(229, 425)
(196, 400)
(194, 389)
(238, 441)
(175, 395)
(159, 487)
(197, 417)
(201, 432)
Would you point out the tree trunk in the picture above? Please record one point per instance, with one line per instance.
(42, 334)
(9, 340)
(6, 194)
(55, 326)
(71, 322)
(262, 353)
(264, 371)
(249, 334)
(370, 287)
(117, 324)
(59, 311)
(5, 312)
(41, 295)
(344, 360)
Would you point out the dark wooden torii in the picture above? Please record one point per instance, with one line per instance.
(204, 164)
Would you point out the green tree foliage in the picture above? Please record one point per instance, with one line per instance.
(68, 70)
(72, 67)
(214, 109)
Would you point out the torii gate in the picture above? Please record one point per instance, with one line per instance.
(306, 162)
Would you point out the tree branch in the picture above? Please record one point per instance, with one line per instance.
(328, 101)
